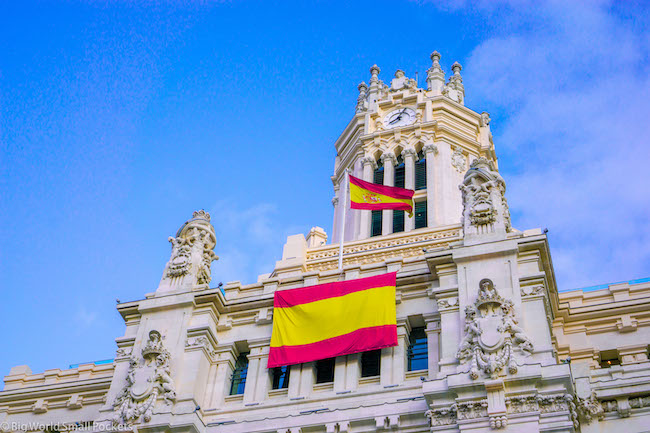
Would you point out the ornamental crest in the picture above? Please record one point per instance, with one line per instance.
(458, 160)
(492, 334)
(371, 198)
(146, 379)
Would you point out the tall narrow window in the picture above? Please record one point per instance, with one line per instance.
(420, 214)
(398, 221)
(280, 376)
(417, 352)
(370, 363)
(239, 375)
(376, 216)
(325, 370)
(421, 172)
(378, 176)
(400, 171)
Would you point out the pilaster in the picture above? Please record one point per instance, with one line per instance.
(433, 194)
(389, 161)
(224, 366)
(257, 378)
(432, 330)
(369, 165)
(409, 182)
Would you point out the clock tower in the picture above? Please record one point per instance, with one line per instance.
(416, 138)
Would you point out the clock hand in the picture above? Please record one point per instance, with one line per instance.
(395, 120)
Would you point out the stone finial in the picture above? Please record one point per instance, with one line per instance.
(456, 68)
(362, 105)
(435, 59)
(435, 75)
(454, 89)
(374, 72)
(485, 119)
(399, 73)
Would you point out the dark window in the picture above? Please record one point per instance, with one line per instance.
(421, 172)
(239, 375)
(376, 223)
(378, 177)
(420, 214)
(325, 370)
(400, 172)
(398, 221)
(370, 362)
(417, 352)
(609, 358)
(281, 377)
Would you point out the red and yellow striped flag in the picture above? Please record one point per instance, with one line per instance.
(334, 319)
(366, 195)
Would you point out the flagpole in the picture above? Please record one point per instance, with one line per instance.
(344, 203)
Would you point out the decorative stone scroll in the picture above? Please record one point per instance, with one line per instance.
(590, 408)
(492, 334)
(148, 378)
(485, 208)
(192, 253)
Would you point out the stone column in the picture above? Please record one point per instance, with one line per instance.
(409, 182)
(389, 161)
(257, 377)
(225, 364)
(393, 359)
(449, 336)
(432, 330)
(369, 166)
(433, 198)
(339, 374)
(301, 381)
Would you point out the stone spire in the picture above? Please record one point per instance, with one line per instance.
(454, 89)
(373, 90)
(435, 75)
(362, 103)
(191, 256)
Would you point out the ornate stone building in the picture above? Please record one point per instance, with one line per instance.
(486, 341)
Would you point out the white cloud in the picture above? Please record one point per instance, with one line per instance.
(249, 240)
(574, 93)
(84, 318)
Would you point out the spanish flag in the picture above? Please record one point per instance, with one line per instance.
(366, 195)
(333, 319)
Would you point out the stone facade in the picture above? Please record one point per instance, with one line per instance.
(504, 349)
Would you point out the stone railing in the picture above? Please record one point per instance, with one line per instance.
(380, 248)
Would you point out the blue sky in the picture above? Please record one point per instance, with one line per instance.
(117, 120)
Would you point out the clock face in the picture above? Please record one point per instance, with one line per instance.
(399, 117)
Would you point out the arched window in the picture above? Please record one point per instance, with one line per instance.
(421, 172)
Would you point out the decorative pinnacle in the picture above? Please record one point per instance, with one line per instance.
(456, 67)
(362, 87)
(374, 70)
(435, 57)
(399, 73)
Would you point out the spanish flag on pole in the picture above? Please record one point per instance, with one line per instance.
(366, 195)
(333, 319)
